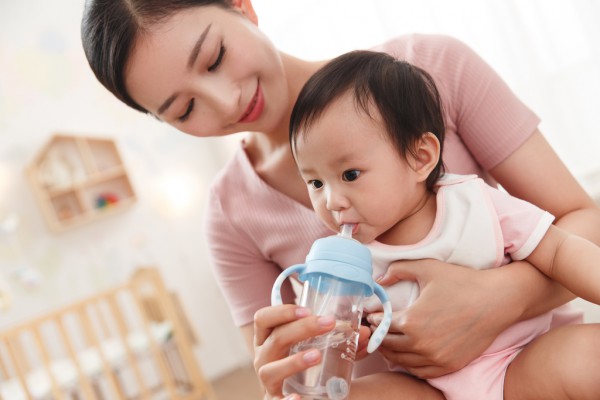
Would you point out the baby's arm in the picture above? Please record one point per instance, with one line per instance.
(570, 260)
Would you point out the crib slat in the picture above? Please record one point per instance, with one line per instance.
(92, 339)
(3, 369)
(122, 328)
(163, 368)
(56, 393)
(186, 352)
(17, 364)
(83, 378)
(101, 317)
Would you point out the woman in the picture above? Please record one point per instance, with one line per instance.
(205, 68)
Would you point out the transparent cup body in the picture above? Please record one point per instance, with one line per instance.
(330, 379)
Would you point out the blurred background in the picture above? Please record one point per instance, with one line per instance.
(547, 50)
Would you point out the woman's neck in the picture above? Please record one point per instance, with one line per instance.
(297, 72)
(269, 152)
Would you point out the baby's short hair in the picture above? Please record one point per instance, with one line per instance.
(405, 96)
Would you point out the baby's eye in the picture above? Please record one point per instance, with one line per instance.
(315, 184)
(350, 175)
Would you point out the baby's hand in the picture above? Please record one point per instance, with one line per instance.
(363, 340)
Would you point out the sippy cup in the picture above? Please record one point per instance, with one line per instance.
(337, 276)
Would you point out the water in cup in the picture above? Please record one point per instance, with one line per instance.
(327, 380)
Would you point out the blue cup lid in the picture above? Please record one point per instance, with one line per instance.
(342, 258)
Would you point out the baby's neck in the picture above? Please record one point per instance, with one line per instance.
(414, 227)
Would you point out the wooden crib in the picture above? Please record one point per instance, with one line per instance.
(129, 342)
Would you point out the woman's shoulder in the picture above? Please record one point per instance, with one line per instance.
(418, 46)
(238, 187)
(233, 169)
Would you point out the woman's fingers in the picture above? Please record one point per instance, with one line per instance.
(284, 336)
(444, 325)
(268, 318)
(276, 329)
(272, 374)
(408, 270)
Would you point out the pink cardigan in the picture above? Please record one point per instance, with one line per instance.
(253, 231)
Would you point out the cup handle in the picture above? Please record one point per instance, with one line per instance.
(383, 328)
(276, 291)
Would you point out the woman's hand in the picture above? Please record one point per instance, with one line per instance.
(276, 329)
(458, 314)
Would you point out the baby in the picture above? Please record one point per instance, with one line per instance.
(367, 133)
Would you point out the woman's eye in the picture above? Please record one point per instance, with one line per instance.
(187, 112)
(315, 184)
(350, 175)
(217, 62)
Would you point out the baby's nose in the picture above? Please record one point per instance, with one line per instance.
(337, 201)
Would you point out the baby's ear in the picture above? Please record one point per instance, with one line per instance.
(426, 154)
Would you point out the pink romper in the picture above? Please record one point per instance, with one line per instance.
(479, 227)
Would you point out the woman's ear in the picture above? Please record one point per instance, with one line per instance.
(246, 8)
(425, 155)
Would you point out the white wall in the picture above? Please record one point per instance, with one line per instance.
(46, 87)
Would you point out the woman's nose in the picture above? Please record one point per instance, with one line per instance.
(223, 97)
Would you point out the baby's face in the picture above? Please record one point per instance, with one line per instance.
(353, 172)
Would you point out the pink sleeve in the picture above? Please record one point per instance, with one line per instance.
(490, 119)
(244, 275)
(523, 225)
(485, 120)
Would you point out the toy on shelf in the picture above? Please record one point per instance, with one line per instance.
(74, 177)
(106, 199)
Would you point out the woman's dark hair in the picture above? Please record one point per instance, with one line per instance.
(405, 96)
(109, 29)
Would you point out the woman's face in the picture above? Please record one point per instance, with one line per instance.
(209, 72)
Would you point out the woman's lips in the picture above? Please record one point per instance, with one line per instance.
(255, 108)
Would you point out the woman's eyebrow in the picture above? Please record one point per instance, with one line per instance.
(191, 60)
(197, 47)
(166, 104)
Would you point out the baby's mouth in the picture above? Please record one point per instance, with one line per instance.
(348, 229)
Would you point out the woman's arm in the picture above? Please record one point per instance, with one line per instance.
(536, 174)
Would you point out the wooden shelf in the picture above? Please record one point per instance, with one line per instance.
(78, 179)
